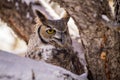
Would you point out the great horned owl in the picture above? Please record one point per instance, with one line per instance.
(51, 43)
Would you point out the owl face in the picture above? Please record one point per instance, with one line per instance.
(54, 32)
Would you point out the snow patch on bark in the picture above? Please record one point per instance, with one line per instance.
(105, 18)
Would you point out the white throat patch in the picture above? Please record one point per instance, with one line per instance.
(46, 52)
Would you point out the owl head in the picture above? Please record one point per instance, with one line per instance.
(54, 32)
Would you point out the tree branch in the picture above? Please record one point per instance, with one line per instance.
(13, 67)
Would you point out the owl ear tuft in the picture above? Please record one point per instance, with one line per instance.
(66, 17)
(40, 15)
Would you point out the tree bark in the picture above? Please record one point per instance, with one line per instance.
(19, 15)
(117, 11)
(100, 39)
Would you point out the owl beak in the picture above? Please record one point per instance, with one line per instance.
(61, 39)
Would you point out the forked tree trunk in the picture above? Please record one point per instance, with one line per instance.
(100, 40)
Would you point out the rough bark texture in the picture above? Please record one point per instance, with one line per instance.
(101, 42)
(19, 15)
(117, 11)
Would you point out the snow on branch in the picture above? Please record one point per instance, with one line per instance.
(13, 67)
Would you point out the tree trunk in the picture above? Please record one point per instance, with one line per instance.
(100, 40)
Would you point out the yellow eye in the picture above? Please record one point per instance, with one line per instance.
(50, 31)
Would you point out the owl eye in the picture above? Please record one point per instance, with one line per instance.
(50, 31)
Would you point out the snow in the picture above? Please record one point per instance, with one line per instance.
(9, 41)
(49, 9)
(4, 42)
(13, 67)
(78, 48)
(73, 30)
(105, 18)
